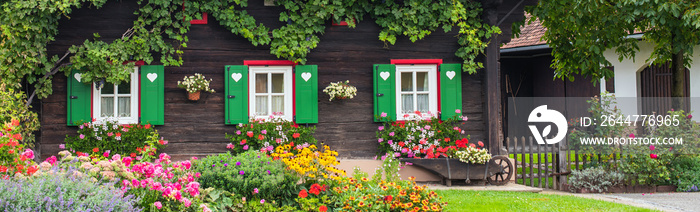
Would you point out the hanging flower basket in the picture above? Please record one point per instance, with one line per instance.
(193, 96)
(194, 85)
(340, 90)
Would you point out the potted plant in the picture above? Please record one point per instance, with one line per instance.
(340, 90)
(194, 85)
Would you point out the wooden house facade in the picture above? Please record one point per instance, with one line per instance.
(197, 128)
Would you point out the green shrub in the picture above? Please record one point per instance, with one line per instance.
(128, 140)
(685, 172)
(67, 191)
(596, 179)
(13, 107)
(246, 172)
(265, 135)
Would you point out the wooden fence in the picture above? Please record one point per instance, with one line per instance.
(544, 166)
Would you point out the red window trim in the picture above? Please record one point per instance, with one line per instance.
(269, 63)
(278, 63)
(92, 100)
(436, 62)
(204, 20)
(416, 61)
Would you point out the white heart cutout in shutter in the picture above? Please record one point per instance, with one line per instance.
(450, 74)
(236, 76)
(152, 76)
(306, 76)
(385, 75)
(78, 76)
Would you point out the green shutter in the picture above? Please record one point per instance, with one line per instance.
(79, 99)
(450, 89)
(236, 95)
(306, 93)
(384, 90)
(152, 95)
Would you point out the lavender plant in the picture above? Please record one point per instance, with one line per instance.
(67, 190)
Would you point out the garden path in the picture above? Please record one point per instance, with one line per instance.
(675, 201)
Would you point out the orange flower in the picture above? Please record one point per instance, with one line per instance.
(148, 126)
(95, 149)
(481, 144)
(296, 135)
(323, 208)
(15, 122)
(361, 204)
(260, 137)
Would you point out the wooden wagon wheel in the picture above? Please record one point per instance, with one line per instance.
(504, 170)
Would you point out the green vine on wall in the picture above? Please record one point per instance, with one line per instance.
(28, 26)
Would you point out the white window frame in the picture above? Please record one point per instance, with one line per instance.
(432, 92)
(288, 91)
(97, 102)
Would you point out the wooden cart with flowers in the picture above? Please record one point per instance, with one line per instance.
(440, 145)
(497, 171)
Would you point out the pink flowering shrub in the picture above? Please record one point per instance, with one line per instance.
(165, 185)
(421, 135)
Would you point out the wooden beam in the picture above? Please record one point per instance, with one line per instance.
(492, 85)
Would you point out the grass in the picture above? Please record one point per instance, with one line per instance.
(461, 200)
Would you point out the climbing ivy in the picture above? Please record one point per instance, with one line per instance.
(28, 26)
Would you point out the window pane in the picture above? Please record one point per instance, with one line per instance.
(423, 103)
(124, 106)
(277, 83)
(124, 88)
(407, 103)
(277, 104)
(422, 81)
(108, 88)
(261, 105)
(260, 83)
(406, 81)
(107, 107)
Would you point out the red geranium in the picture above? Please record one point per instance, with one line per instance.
(296, 135)
(323, 208)
(95, 149)
(303, 193)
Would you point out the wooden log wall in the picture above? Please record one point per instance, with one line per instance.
(197, 128)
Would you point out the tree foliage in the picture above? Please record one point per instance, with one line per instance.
(28, 26)
(579, 31)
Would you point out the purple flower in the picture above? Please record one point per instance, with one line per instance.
(213, 165)
(238, 163)
(268, 171)
(241, 172)
(245, 147)
(82, 136)
(225, 164)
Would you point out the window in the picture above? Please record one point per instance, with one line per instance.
(416, 89)
(271, 91)
(141, 100)
(425, 85)
(264, 88)
(118, 101)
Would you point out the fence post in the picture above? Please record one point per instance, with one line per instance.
(531, 165)
(563, 159)
(523, 171)
(547, 150)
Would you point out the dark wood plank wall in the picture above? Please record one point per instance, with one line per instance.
(196, 128)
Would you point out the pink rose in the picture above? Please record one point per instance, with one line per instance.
(158, 204)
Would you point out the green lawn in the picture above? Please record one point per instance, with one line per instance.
(461, 200)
